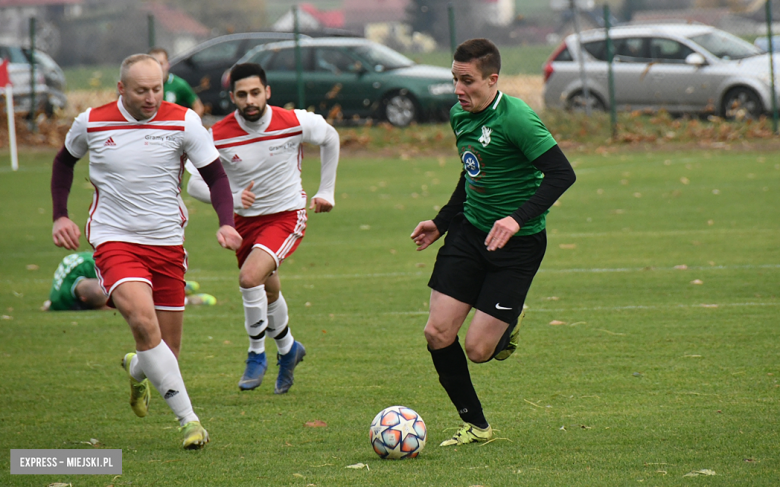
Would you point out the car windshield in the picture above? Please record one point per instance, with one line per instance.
(725, 46)
(382, 58)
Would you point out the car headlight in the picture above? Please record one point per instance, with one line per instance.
(441, 89)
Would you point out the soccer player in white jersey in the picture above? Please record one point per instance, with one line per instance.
(137, 148)
(260, 148)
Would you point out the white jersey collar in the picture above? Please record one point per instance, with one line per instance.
(260, 125)
(127, 115)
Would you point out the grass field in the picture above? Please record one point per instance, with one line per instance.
(630, 373)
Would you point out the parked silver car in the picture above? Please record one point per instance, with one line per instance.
(49, 83)
(683, 68)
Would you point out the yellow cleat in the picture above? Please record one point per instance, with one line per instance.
(201, 299)
(191, 287)
(514, 339)
(195, 436)
(468, 433)
(140, 392)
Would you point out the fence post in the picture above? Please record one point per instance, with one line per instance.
(581, 57)
(33, 105)
(298, 60)
(610, 74)
(772, 76)
(451, 17)
(150, 26)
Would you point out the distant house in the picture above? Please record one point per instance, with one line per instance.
(175, 30)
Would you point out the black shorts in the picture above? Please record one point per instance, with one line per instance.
(496, 282)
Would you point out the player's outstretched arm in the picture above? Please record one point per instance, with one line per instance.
(222, 201)
(198, 189)
(319, 132)
(424, 234)
(64, 233)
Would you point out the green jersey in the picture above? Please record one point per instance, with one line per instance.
(70, 272)
(497, 146)
(178, 91)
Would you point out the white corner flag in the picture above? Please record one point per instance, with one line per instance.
(7, 88)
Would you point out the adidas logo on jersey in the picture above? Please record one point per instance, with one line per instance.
(110, 142)
(235, 158)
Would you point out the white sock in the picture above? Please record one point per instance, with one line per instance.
(161, 367)
(255, 316)
(136, 372)
(277, 325)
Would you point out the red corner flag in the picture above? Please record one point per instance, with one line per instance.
(4, 79)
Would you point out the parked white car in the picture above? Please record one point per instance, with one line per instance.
(683, 68)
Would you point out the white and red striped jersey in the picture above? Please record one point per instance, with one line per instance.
(269, 153)
(136, 168)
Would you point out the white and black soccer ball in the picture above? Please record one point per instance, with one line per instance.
(398, 432)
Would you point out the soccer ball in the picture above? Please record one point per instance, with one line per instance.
(398, 432)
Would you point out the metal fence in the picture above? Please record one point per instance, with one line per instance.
(683, 68)
(598, 71)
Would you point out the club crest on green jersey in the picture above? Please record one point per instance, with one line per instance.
(470, 164)
(485, 139)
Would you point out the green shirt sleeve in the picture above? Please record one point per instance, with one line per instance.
(527, 131)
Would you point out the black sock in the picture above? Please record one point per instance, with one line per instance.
(453, 369)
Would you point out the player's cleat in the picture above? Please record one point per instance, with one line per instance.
(287, 363)
(201, 299)
(195, 436)
(469, 433)
(140, 392)
(191, 287)
(514, 340)
(256, 364)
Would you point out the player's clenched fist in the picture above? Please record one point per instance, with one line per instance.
(65, 233)
(228, 237)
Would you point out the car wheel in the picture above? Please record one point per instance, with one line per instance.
(400, 109)
(741, 103)
(577, 102)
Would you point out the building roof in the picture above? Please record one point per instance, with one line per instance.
(174, 20)
(326, 18)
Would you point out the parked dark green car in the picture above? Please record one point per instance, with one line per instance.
(349, 78)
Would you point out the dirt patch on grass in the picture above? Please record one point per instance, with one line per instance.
(528, 88)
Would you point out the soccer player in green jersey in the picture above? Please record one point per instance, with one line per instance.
(175, 89)
(75, 285)
(513, 172)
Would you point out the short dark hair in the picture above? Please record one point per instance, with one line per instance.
(158, 50)
(485, 52)
(246, 70)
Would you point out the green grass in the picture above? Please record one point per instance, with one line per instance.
(650, 377)
(92, 77)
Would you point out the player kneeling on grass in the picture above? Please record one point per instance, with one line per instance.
(513, 172)
(75, 287)
(260, 148)
(136, 223)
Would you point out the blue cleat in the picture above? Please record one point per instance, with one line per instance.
(255, 371)
(287, 363)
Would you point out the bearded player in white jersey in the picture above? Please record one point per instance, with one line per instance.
(260, 148)
(137, 147)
